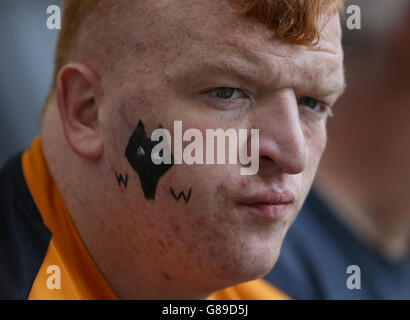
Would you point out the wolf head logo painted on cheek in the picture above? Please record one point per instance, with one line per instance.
(138, 154)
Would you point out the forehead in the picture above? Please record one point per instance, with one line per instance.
(195, 34)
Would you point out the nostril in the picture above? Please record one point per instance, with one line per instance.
(270, 160)
(265, 159)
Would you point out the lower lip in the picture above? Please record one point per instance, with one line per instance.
(271, 212)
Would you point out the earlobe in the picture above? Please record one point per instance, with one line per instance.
(77, 102)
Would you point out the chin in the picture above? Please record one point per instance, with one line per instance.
(250, 265)
(262, 265)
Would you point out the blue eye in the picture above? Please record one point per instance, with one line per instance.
(227, 98)
(226, 93)
(310, 103)
(315, 105)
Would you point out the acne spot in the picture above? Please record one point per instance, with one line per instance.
(139, 98)
(109, 49)
(307, 132)
(175, 227)
(285, 221)
(161, 243)
(139, 46)
(122, 190)
(215, 255)
(224, 184)
(166, 276)
(150, 226)
(199, 222)
(136, 250)
(146, 67)
(189, 251)
(246, 182)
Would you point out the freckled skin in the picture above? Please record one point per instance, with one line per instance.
(208, 243)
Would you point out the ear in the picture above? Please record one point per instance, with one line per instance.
(77, 103)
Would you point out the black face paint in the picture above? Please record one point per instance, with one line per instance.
(121, 179)
(181, 194)
(138, 154)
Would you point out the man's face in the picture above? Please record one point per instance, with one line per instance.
(232, 227)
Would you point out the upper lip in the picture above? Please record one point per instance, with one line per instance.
(270, 197)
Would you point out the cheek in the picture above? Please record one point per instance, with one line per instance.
(200, 182)
(316, 140)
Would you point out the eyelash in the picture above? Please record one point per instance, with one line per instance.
(224, 90)
(235, 98)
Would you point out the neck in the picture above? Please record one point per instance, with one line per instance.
(380, 228)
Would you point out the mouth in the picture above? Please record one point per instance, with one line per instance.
(270, 205)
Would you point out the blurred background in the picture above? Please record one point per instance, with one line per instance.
(26, 64)
(358, 213)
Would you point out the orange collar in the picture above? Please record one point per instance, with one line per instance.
(80, 276)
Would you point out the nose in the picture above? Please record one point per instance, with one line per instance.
(281, 138)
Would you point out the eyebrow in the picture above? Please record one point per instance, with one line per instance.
(249, 68)
(246, 72)
(341, 89)
(337, 89)
(253, 74)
